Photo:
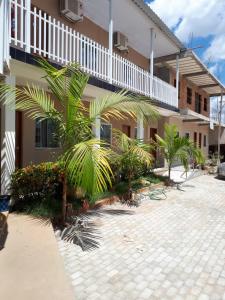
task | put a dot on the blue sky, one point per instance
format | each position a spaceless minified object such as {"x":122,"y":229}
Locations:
{"x":197,"y":23}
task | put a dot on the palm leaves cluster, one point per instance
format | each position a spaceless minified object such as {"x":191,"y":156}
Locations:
{"x":178,"y":148}
{"x":85,"y":158}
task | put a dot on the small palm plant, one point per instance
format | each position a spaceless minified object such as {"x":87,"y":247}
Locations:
{"x":131,"y":153}
{"x":85,"y":158}
{"x":178,"y":148}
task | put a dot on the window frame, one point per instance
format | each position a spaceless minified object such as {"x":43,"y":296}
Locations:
{"x":205,"y":104}
{"x":189,"y":96}
{"x":35,"y":134}
{"x":204,"y":140}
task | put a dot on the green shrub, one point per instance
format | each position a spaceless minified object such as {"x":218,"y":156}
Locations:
{"x":40,"y":182}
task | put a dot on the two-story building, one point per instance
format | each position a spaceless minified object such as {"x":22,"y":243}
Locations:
{"x":120,"y":44}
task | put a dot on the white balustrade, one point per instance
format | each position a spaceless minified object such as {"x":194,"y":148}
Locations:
{"x":58,"y":43}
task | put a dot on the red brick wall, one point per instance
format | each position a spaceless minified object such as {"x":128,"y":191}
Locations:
{"x":184,"y":83}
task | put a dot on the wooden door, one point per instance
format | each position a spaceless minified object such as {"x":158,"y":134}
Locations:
{"x":18,"y":150}
{"x":126,"y":130}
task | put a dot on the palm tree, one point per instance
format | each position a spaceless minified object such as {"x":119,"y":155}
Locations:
{"x":85,"y":158}
{"x":178,"y":148}
{"x":130,"y":154}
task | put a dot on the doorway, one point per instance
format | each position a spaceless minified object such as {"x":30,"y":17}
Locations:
{"x":18,"y":150}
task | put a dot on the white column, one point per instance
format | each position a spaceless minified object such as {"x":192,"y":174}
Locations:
{"x":151,"y":59}
{"x":2,"y":36}
{"x":27,"y":25}
{"x":177,"y":77}
{"x":140,"y":128}
{"x":97,"y":128}
{"x":110,"y":42}
{"x":5,"y":34}
{"x":7,"y":141}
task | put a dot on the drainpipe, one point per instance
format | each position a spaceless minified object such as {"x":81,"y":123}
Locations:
{"x":110,"y":42}
{"x":151,"y":60}
{"x":177,"y":79}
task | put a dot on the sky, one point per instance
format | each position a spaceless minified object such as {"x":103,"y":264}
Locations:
{"x":197,"y":23}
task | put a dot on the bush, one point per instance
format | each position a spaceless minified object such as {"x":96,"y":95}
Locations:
{"x":40,"y":182}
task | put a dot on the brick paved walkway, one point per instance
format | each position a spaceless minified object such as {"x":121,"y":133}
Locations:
{"x":171,"y":249}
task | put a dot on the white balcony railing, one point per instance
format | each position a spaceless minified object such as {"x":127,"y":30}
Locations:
{"x":36,"y":32}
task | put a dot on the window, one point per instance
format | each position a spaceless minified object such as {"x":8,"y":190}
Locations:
{"x":200,"y":140}
{"x":106,"y":133}
{"x":205,"y":104}
{"x":189,"y":95}
{"x":187,"y":135}
{"x":195,"y":138}
{"x":45,"y":134}
{"x":205,"y":141}
{"x":175,"y":85}
{"x":198,"y":101}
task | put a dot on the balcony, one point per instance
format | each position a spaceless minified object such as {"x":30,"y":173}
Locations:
{"x":33,"y":31}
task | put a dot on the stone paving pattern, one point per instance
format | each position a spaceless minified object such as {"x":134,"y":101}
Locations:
{"x":171,"y":249}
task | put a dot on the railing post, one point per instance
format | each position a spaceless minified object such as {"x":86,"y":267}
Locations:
{"x":27,"y":25}
{"x":177,"y":79}
{"x":151,"y":60}
{"x":110,"y":43}
{"x":7,"y":141}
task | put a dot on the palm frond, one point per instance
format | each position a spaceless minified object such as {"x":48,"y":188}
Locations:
{"x":133,"y":147}
{"x":88,"y":166}
{"x":122,"y":105}
{"x":68,"y":81}
{"x":34,"y":101}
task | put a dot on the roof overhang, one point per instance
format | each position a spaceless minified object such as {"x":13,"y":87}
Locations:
{"x":189,"y":116}
{"x":194,"y":70}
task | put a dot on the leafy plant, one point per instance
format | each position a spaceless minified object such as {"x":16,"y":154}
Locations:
{"x":85,"y":159}
{"x":37,"y":189}
{"x":132,"y":154}
{"x":37,"y":181}
{"x":178,"y":148}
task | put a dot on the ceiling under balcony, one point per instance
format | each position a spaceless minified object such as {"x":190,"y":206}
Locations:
{"x":134,"y":19}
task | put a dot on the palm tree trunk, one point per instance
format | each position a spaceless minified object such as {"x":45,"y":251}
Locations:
{"x":169,"y":171}
{"x":64,"y":200}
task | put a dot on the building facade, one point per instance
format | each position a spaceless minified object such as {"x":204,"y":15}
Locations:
{"x":120,"y":44}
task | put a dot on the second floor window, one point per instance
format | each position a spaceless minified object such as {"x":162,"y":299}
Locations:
{"x":205,"y":104}
{"x":189,"y":95}
{"x":45,"y":134}
{"x":205,"y":141}
{"x":175,"y":84}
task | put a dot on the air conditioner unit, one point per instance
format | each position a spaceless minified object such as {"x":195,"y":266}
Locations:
{"x":120,"y":41}
{"x":72,"y":9}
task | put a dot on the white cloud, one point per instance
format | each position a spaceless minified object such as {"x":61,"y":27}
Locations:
{"x":202,"y":18}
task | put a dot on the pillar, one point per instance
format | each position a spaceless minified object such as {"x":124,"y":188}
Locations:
{"x":7,"y":141}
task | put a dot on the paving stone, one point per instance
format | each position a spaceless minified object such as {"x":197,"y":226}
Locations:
{"x":167,"y":250}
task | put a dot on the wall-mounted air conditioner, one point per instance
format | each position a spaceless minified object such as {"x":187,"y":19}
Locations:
{"x":120,"y":41}
{"x":72,"y":9}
